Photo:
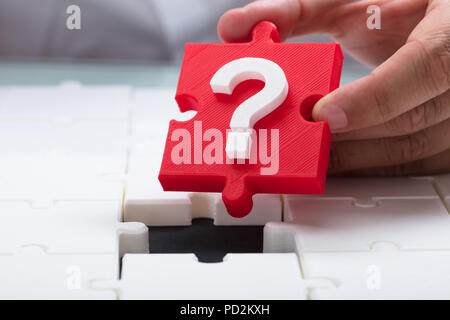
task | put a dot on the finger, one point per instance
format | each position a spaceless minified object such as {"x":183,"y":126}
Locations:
{"x":424,"y":116}
{"x":236,"y":24}
{"x":288,"y":15}
{"x":416,"y":73}
{"x":436,"y":164}
{"x":360,"y":154}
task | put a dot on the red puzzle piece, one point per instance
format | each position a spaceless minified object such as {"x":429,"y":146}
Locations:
{"x":194,"y":157}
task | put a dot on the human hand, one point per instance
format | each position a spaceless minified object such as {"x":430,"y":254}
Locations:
{"x":395,"y":121}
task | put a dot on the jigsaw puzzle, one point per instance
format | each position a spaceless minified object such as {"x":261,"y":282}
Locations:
{"x":196,"y":156}
{"x":63,"y":239}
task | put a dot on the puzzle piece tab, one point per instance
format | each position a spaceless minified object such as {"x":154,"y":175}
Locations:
{"x":195,"y":157}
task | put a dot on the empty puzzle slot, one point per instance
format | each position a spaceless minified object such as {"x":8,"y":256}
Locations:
{"x":208,"y":242}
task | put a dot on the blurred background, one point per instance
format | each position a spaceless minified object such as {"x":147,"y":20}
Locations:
{"x":144,"y":37}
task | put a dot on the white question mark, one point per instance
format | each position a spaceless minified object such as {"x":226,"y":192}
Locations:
{"x":249,"y":112}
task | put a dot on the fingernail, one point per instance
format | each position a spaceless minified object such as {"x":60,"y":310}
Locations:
{"x":335,"y":116}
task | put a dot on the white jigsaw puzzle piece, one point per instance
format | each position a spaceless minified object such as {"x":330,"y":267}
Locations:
{"x":34,"y":274}
{"x":145,"y":200}
{"x":152,"y":110}
{"x":42,"y":162}
{"x":321,"y":224}
{"x":71,"y":227}
{"x":42,"y":186}
{"x":80,"y":139}
{"x":384,"y":274}
{"x":67,"y":102}
{"x":366,"y":192}
{"x":339,"y":225}
{"x":266,"y":208}
{"x":239,"y":276}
